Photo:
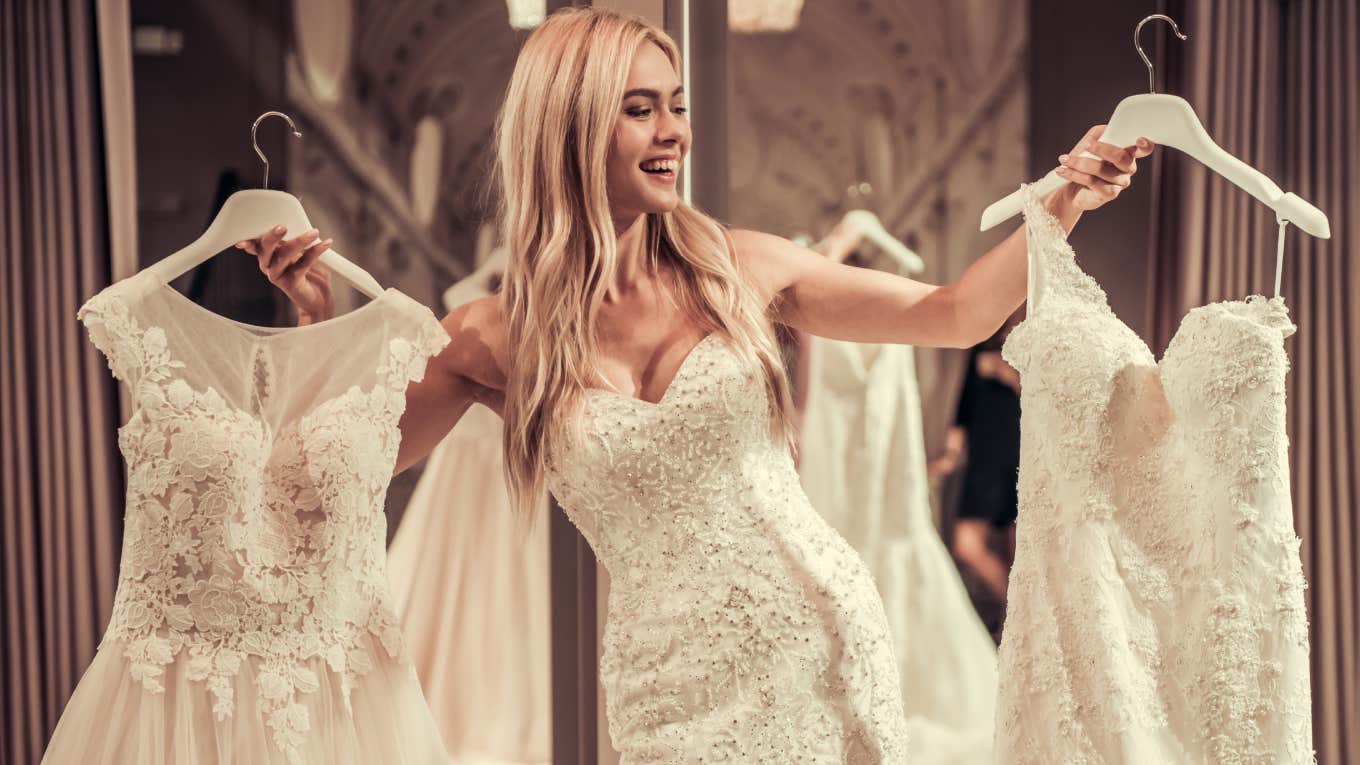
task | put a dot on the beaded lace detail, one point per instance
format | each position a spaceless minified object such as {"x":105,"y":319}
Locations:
{"x":741,"y":627}
{"x":246,"y":540}
{"x":1156,"y":603}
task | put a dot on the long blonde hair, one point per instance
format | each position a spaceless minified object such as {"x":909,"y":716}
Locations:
{"x":553,"y":136}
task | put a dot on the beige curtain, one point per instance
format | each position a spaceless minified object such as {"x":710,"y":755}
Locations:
{"x":60,"y":474}
{"x":1278,"y":84}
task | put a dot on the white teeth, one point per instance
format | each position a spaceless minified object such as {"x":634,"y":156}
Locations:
{"x":658,"y":165}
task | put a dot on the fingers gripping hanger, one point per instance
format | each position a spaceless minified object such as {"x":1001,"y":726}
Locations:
{"x":248,"y":214}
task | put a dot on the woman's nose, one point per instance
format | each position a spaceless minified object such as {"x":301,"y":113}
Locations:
{"x":671,"y":127}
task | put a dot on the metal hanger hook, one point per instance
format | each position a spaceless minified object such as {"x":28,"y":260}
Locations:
{"x":256,"y":143}
{"x":1152,"y":87}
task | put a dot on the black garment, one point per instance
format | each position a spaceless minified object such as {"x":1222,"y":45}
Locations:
{"x":989,"y":411}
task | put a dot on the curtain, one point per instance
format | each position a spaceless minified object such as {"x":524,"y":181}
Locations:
{"x":1275,"y":82}
{"x":60,"y":474}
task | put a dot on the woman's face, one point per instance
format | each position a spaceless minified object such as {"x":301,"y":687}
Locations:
{"x":651,"y":139}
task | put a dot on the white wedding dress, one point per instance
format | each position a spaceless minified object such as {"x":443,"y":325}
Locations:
{"x":741,"y":628}
{"x":252,"y":621}
{"x":863,"y":466}
{"x":1156,"y":608}
{"x":470,"y":580}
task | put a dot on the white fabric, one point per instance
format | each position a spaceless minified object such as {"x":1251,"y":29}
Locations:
{"x":863,"y":466}
{"x":470,"y":579}
{"x":252,"y":621}
{"x":741,"y":627}
{"x":1156,"y":603}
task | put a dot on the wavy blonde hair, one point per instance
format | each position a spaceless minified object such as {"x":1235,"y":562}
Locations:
{"x":553,"y":136}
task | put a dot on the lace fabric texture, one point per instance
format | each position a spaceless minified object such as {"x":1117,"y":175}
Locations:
{"x":741,"y":628}
{"x":252,"y":579}
{"x":1156,"y":606}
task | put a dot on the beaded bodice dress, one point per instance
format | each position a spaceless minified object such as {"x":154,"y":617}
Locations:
{"x":741,"y":627}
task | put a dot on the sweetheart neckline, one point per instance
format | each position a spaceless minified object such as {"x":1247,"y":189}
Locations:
{"x":1158,"y":361}
{"x":670,"y":386}
{"x":1048,"y":221}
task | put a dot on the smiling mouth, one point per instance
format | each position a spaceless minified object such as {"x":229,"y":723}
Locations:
{"x":661,"y":168}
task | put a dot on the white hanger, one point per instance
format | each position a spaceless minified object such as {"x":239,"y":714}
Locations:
{"x":868,"y":224}
{"x":478,"y":283}
{"x":1170,"y":121}
{"x":246,"y":215}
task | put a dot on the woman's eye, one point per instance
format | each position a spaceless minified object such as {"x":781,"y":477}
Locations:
{"x":639,"y":112}
{"x":680,"y":110}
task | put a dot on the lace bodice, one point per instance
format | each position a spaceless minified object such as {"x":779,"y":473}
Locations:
{"x":1156,"y":607}
{"x":258,"y":460}
{"x":741,"y":627}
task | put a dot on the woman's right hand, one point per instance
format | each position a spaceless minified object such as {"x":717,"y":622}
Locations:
{"x":291,"y":265}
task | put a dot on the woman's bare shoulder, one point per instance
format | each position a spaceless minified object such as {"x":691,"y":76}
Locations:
{"x":768,"y":261}
{"x":477,"y":350}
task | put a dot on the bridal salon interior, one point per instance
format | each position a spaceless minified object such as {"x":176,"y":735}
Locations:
{"x":1120,"y":524}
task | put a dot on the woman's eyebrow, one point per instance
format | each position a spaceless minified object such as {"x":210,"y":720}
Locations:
{"x":652,"y":94}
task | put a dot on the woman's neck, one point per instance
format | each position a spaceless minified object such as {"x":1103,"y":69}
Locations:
{"x":632,"y":266}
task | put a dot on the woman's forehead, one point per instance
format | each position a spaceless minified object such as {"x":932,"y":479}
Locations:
{"x":652,"y":70}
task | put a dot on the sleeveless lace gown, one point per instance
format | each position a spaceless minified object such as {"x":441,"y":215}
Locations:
{"x":1156,"y":604}
{"x":741,"y":628}
{"x":252,"y":621}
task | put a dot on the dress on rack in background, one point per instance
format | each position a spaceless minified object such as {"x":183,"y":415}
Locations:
{"x":1156,"y":603}
{"x":252,"y":621}
{"x":863,"y":465}
{"x":470,"y":578}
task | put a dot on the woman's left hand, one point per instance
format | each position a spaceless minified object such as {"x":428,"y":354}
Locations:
{"x":1096,"y":180}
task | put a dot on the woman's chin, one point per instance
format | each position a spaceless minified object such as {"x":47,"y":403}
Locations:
{"x":663,"y":204}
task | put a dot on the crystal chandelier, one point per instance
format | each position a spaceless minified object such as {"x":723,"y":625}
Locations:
{"x":763,"y":15}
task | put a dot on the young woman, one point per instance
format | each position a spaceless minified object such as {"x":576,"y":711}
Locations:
{"x":632,"y":357}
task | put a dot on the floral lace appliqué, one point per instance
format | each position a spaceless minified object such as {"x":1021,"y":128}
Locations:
{"x":250,"y":543}
{"x":741,"y":627}
{"x":1156,"y":603}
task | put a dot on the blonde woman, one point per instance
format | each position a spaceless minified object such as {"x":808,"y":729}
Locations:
{"x":631,"y":356}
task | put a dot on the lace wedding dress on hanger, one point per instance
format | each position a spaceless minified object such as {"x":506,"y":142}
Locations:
{"x":1156,"y":607}
{"x":252,"y":621}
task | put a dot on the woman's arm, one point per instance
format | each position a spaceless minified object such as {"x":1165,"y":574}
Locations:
{"x":466,"y":372}
{"x":862,"y":305}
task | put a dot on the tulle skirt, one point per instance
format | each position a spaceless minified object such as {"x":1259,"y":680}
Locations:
{"x":112,"y":719}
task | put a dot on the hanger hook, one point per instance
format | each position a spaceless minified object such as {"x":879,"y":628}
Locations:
{"x":1152,"y":87}
{"x":256,"y":144}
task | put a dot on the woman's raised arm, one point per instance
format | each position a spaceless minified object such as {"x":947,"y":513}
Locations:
{"x":816,"y":295}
